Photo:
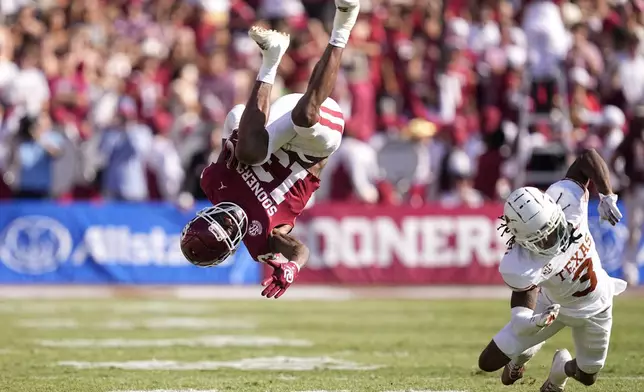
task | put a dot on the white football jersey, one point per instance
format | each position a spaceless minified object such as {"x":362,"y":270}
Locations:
{"x":574,"y":279}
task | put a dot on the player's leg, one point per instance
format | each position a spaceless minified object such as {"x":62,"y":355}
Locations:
{"x":510,"y":351}
{"x":307,"y":111}
{"x":252,"y":147}
{"x":591,"y":338}
{"x":591,"y":347}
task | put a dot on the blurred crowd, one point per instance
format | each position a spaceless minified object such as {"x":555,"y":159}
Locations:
{"x":454,"y":102}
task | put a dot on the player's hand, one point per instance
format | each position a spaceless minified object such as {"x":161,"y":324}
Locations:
{"x":548,"y":317}
{"x":608,"y":210}
{"x":284,"y":274}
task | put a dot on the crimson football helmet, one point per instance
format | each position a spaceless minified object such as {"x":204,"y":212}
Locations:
{"x":214,"y":234}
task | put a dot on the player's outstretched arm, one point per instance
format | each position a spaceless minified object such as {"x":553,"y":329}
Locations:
{"x":285,"y":270}
{"x":289,"y":246}
{"x":590,"y":166}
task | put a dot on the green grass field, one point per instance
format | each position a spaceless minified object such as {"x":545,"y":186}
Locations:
{"x":361,"y":345}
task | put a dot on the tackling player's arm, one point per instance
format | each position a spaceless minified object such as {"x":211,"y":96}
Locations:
{"x":590,"y":166}
{"x":285,"y":270}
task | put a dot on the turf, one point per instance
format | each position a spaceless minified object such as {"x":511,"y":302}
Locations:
{"x":421,"y":345}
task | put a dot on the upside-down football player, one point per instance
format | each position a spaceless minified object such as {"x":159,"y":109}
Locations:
{"x":270,"y":164}
{"x":556,"y":278}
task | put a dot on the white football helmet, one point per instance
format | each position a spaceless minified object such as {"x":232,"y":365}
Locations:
{"x":536,"y":221}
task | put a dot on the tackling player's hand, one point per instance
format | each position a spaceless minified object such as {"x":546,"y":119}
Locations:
{"x":608,"y":210}
{"x":548,"y":317}
{"x":284,"y":274}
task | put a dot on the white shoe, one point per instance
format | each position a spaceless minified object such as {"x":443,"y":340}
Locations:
{"x":557,"y":378}
{"x":272,"y":43}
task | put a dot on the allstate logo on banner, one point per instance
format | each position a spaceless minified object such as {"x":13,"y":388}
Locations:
{"x":35,"y":245}
{"x":610,"y":242}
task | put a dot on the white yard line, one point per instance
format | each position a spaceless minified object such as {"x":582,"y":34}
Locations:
{"x":170,"y":390}
{"x":171,"y":323}
{"x":201,"y":341}
{"x":280,"y":363}
{"x":127,"y":308}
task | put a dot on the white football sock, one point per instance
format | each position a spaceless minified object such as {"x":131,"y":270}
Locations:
{"x":267,"y":74}
{"x":527,"y":355}
{"x":343,"y":22}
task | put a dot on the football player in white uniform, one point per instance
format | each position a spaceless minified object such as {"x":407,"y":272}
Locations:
{"x":556,"y":278}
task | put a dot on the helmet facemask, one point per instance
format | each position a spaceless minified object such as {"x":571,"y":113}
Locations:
{"x":228,"y":223}
{"x":552,"y":239}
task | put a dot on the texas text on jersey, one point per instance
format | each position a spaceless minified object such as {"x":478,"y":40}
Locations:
{"x":272,"y":194}
{"x":574,"y":279}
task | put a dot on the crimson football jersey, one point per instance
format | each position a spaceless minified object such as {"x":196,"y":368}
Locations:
{"x":272,"y":194}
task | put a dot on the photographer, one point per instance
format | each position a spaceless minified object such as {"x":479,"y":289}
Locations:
{"x":34,"y":148}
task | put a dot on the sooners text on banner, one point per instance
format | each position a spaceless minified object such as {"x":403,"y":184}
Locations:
{"x":356,"y":244}
{"x":402,"y":245}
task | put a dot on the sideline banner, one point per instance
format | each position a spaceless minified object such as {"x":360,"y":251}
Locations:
{"x":353,"y":244}
{"x":121,"y":243}
{"x":401,"y":245}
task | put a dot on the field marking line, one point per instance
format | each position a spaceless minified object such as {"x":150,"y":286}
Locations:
{"x":171,"y":323}
{"x":428,"y":390}
{"x":171,"y":390}
{"x":625,"y":378}
{"x":201,"y":341}
{"x":280,"y":363}
{"x":153,"y":307}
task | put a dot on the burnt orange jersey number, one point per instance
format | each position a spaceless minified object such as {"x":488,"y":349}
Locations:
{"x":585,"y":273}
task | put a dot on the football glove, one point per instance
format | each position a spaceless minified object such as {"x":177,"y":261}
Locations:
{"x":608,"y":210}
{"x":284,"y":274}
{"x":548,"y":317}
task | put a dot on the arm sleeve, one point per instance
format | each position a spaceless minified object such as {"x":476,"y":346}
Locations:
{"x":523,"y":321}
{"x":517,"y":282}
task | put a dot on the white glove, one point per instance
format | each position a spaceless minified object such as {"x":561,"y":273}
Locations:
{"x":548,"y":317}
{"x":608,"y":210}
